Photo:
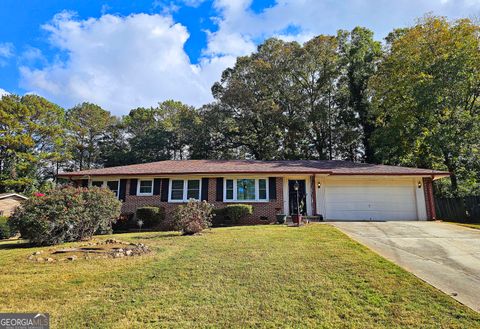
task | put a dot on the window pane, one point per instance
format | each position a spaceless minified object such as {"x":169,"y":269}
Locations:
{"x":246,"y":189}
{"x":193,"y":189}
{"x":97,"y":183}
{"x":262,"y":189}
{"x":113,"y":186}
{"x":177,"y":190}
{"x":229,"y":189}
{"x":146,"y":186}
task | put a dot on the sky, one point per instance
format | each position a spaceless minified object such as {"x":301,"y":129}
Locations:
{"x":123,"y":54}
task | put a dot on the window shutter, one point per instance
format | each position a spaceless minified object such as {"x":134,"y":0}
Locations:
{"x":122,"y":192}
{"x":220,"y":189}
{"x":164,"y":193}
{"x":84,"y":182}
{"x":156,"y":186}
{"x":133,"y":186}
{"x":204,"y":194}
{"x":272,"y":188}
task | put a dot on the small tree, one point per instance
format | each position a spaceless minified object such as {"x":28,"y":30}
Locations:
{"x":193,"y":217}
{"x":66,"y":214}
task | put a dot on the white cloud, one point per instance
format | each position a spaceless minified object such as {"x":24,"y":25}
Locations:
{"x":125,"y":62}
{"x":121,"y":63}
{"x":6,"y":51}
{"x":3,"y":92}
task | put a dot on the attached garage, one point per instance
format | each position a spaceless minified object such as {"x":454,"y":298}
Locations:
{"x":374,"y":199}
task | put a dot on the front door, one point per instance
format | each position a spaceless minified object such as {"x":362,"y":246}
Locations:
{"x":297,"y":200}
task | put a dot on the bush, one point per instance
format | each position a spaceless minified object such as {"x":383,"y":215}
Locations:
{"x":150,"y":216}
{"x":66,"y":214}
{"x":193,"y":217}
{"x":236,"y":212}
{"x":219,"y":218}
{"x":5,"y":231}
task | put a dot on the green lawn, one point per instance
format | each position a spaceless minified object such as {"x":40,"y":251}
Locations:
{"x":470,"y":225}
{"x":262,"y":276}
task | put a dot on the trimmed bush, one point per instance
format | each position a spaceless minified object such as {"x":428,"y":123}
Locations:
{"x":66,"y":214}
{"x":236,"y":212}
{"x":150,"y":216}
{"x":193,"y":217}
{"x":5,"y":231}
{"x":219,"y":218}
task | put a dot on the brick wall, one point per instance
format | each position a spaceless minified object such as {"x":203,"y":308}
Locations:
{"x":263,"y":212}
{"x":429,"y":200}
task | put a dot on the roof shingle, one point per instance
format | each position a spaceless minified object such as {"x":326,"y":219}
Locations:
{"x":177,"y":167}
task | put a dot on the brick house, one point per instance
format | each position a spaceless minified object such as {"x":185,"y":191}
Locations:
{"x":337,"y":190}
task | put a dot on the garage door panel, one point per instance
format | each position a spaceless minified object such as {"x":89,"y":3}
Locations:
{"x":370,"y":202}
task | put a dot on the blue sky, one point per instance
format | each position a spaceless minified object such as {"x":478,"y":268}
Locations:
{"x":123,"y":54}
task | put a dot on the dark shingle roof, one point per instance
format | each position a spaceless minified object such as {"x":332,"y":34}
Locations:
{"x":177,"y":167}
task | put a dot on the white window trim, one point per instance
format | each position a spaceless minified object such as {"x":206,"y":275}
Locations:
{"x":185,"y":189}
{"x":104,"y":184}
{"x":257,"y":190}
{"x":138,"y":187}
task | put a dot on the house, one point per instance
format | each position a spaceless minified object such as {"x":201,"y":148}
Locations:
{"x":8,"y":203}
{"x":338,"y":190}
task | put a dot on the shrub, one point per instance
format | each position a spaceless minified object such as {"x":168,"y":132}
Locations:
{"x":219,"y":218}
{"x":236,"y":212}
{"x":66,"y":214}
{"x":193,"y":217}
{"x":5,"y":231}
{"x":150,"y":216}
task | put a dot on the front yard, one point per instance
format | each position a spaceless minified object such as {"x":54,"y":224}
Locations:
{"x":263,"y":276}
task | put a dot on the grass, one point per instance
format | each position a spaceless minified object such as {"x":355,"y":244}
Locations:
{"x":262,"y":276}
{"x":470,"y":225}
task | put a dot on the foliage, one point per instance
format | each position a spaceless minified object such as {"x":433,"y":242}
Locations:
{"x":31,"y":142}
{"x":427,"y":100}
{"x":193,"y":217}
{"x":5,"y":231}
{"x":66,"y":214}
{"x":150,"y":216}
{"x":236,"y":212}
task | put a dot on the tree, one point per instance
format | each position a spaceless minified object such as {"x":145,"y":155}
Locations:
{"x":31,"y":141}
{"x":426,"y":96}
{"x":360,"y":56}
{"x":87,"y":125}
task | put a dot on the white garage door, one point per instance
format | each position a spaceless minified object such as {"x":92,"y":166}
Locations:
{"x":370,"y":202}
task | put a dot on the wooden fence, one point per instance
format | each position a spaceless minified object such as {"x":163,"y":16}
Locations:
{"x":464,"y":209}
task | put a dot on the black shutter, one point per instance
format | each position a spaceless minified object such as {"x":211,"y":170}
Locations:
{"x":133,"y":186}
{"x":156,"y":186}
{"x":204,"y":194}
{"x":164,"y":193}
{"x":84,"y":182}
{"x":122,"y":193}
{"x":220,"y":189}
{"x":272,"y":188}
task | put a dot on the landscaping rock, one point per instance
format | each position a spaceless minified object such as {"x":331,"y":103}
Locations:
{"x":72,"y":258}
{"x":128,"y":253}
{"x":40,"y":259}
{"x":118,"y":255}
{"x":37,"y":252}
{"x":50,"y":260}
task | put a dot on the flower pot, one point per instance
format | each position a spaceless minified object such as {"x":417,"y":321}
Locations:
{"x":297,"y":219}
{"x":281,"y":218}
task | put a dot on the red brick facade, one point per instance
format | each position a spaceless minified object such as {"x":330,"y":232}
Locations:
{"x":263,"y":212}
{"x":429,"y":200}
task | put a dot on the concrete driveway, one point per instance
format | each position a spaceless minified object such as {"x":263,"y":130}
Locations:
{"x":445,"y":255}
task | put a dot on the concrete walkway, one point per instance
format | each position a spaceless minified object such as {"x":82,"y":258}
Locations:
{"x":445,"y":255}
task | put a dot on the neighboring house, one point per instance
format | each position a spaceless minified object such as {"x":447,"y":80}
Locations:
{"x":338,"y":190}
{"x":8,"y":203}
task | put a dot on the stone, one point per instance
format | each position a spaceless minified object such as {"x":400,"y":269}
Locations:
{"x":118,"y":255}
{"x":37,"y":252}
{"x":129,"y":253}
{"x":73,"y":257}
{"x":50,"y":259}
{"x":40,"y":259}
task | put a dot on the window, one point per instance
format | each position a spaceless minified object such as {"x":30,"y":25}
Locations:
{"x":97,"y":183}
{"x":181,"y":190}
{"x":145,"y":187}
{"x":193,"y":189}
{"x":246,"y":189}
{"x":177,"y":190}
{"x":113,"y":186}
{"x":229,"y":189}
